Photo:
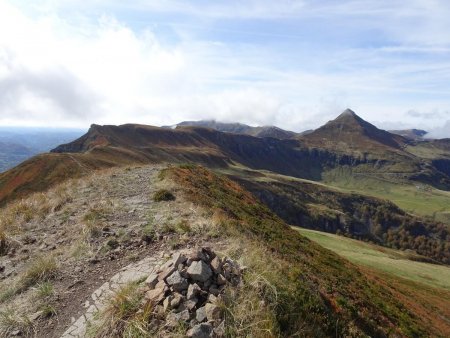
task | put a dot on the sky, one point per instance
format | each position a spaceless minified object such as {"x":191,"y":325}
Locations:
{"x":291,"y":63}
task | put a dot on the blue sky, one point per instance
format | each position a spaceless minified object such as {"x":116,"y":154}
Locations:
{"x":295,"y":64}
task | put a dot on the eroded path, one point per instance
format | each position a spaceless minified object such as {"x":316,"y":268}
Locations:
{"x":99,"y":298}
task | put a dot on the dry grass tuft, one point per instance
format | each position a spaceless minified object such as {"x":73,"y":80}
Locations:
{"x":250,"y":308}
{"x":124,"y":315}
{"x":12,"y":322}
{"x":41,"y":269}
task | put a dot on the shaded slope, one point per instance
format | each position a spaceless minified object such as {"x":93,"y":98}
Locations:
{"x":320,"y":293}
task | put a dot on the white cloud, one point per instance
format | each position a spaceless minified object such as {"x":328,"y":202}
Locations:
{"x":66,"y":63}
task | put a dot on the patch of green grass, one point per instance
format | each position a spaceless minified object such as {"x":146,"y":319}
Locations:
{"x":7,"y":293}
{"x":44,"y":289}
{"x":414,"y":198}
{"x":183,"y":227}
{"x":387,"y":260}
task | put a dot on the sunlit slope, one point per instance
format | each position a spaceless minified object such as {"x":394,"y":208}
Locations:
{"x":395,"y":262}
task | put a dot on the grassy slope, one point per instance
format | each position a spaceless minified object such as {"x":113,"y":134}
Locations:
{"x":414,"y":198}
{"x":318,"y":291}
{"x":425,"y":288}
{"x":387,"y":260}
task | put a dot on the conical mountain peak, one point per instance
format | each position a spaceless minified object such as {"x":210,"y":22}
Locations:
{"x":348,"y":112}
{"x":353,"y":131}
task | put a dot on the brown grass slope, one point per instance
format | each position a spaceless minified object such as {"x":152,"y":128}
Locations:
{"x":319,"y":293}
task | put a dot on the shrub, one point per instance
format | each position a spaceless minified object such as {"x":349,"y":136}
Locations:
{"x":163,"y":195}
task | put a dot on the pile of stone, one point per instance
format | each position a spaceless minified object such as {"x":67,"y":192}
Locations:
{"x":189,"y":288}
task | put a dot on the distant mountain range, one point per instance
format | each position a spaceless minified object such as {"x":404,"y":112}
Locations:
{"x":413,"y":134}
{"x":239,"y":128}
{"x":346,"y":142}
{"x":344,"y":149}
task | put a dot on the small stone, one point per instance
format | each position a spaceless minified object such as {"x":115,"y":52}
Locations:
{"x":155,"y":296}
{"x":178,"y":259}
{"x":167,"y":272}
{"x":151,"y":281}
{"x":199,"y":271}
{"x":197,"y":255}
{"x":160,"y":285}
{"x":207,"y":284}
{"x":212,"y":298}
{"x":216,"y":265}
{"x":166,"y":303}
{"x":191,"y":303}
{"x":221,"y":280}
{"x":214,"y":290}
{"x":193,"y":291}
{"x":200,"y":314}
{"x":213,"y":312}
{"x":174,"y":318}
{"x":177,"y":282}
{"x":177,"y":299}
{"x":203,"y":330}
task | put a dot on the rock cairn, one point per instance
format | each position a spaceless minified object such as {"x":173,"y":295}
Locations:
{"x":189,"y":288}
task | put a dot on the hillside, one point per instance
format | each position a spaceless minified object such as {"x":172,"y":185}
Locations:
{"x":320,"y":207}
{"x":396,"y":263}
{"x":92,"y":235}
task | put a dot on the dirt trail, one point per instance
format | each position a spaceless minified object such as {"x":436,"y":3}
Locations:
{"x":96,"y":236}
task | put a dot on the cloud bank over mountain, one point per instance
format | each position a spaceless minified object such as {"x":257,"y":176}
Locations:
{"x":294,"y":64}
